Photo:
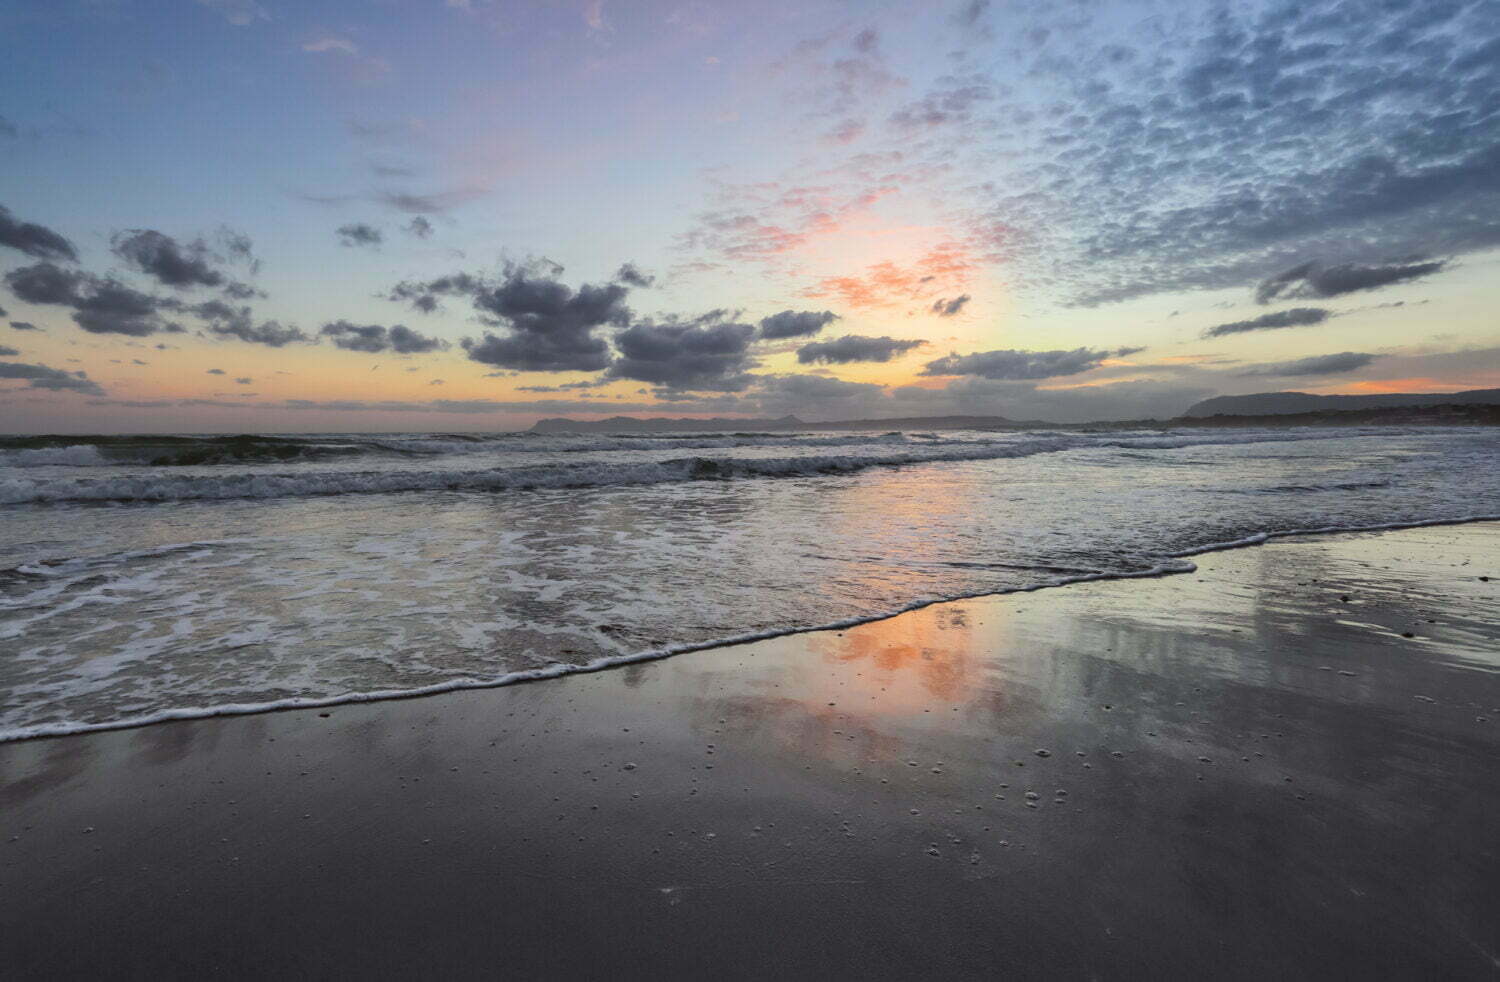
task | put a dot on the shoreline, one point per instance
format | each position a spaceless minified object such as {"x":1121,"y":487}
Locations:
{"x":1280,"y":766}
{"x":561,"y":670}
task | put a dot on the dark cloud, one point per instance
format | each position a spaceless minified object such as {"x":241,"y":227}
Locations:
{"x":854,"y":347}
{"x":697,"y":356}
{"x":420,"y":227}
{"x":795,"y":324}
{"x":1312,"y":281}
{"x":551,"y":327}
{"x":1126,"y":352}
{"x":359,"y":234}
{"x":7,"y":352}
{"x":216,"y":371}
{"x":47,"y":283}
{"x":244,"y":381}
{"x":1295,"y":317}
{"x":1017,"y":365}
{"x":35,"y":240}
{"x":24,"y":326}
{"x":1344,"y":361}
{"x":100,"y":306}
{"x":113,"y":308}
{"x":8,"y":129}
{"x":423,"y":295}
{"x":236,"y":290}
{"x":167,"y":261}
{"x":947,"y":308}
{"x":225,"y":320}
{"x":375,"y":338}
{"x":631,"y":275}
{"x":42,"y":377}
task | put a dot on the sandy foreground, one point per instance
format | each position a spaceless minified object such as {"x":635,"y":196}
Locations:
{"x":1286,"y":764}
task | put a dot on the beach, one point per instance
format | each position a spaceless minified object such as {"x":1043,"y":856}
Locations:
{"x":1282,"y":764}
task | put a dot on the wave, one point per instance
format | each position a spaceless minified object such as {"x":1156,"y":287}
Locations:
{"x":198,"y":451}
{"x":1173,"y":563}
{"x":170,"y":487}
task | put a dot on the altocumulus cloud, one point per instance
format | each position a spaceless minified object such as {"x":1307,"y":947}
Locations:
{"x":854,"y":347}
{"x":376,"y":338}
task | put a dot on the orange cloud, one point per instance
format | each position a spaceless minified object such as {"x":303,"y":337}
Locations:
{"x":944,"y":268}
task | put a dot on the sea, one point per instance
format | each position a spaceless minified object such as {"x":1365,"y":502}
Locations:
{"x":165,"y":577}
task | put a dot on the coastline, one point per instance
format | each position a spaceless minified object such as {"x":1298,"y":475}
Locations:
{"x":562,"y":670}
{"x":1299,"y":789}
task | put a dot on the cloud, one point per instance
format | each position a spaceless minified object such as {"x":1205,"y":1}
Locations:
{"x":433,"y":204}
{"x":1295,"y":317}
{"x":854,"y":347}
{"x":420,"y":227}
{"x":948,"y":308}
{"x":1312,"y":281}
{"x":343,"y":45}
{"x":24,"y":326}
{"x":375,"y":338}
{"x":795,"y":323}
{"x":967,"y":16}
{"x":8,"y":352}
{"x":551,"y":327}
{"x":35,"y":240}
{"x":42,"y":377}
{"x":244,"y":381}
{"x":359,"y":234}
{"x":423,"y":294}
{"x":8,"y":129}
{"x":631,"y":275}
{"x":237,"y":322}
{"x":953,"y":100}
{"x":46,"y":283}
{"x":1014,"y":365}
{"x":699,"y":355}
{"x":945,"y":267}
{"x":215,"y":371}
{"x":1344,"y":361}
{"x":238,"y":12}
{"x":162,"y":258}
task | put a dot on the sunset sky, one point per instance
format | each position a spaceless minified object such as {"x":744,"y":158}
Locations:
{"x":467,"y":214}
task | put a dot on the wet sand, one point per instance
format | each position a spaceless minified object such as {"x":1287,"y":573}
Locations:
{"x":1245,"y":772}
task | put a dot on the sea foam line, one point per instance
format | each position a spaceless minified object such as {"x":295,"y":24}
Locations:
{"x":1176,"y":563}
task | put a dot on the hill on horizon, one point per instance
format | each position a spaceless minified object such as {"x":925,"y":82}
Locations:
{"x":1283,"y":403}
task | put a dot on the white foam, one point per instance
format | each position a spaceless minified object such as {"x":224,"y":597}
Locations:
{"x":1174,"y":565}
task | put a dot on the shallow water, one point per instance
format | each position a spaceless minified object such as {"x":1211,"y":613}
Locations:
{"x":146,"y":578}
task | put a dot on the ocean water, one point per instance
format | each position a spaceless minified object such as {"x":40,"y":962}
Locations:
{"x":147,"y":578}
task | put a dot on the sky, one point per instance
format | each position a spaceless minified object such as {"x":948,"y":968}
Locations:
{"x":378,"y":215}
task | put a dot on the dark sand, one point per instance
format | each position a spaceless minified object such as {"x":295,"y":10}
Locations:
{"x":1246,"y":777}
